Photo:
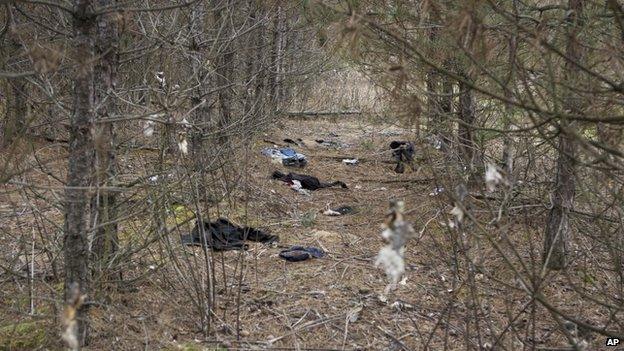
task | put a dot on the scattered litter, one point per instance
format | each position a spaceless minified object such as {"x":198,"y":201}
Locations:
{"x":301,"y":253}
{"x":307,"y":182}
{"x":183,"y":144}
{"x":148,"y":128}
{"x":358,"y":187}
{"x":288,"y":156}
{"x":436,"y":191}
{"x":330,"y":212}
{"x":437,"y":143}
{"x":224,"y":235}
{"x":160,"y":77}
{"x":154,"y":179}
{"x":350,"y":161}
{"x":339,"y":211}
{"x":402,"y":152}
{"x":401,"y":306}
{"x":185,"y":123}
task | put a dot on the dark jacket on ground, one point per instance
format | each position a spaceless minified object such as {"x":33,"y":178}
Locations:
{"x":307,"y":182}
{"x":224,"y":235}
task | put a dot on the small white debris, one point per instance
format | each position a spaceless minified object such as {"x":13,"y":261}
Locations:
{"x":436,"y":191}
{"x":152,"y":267}
{"x":350,"y":161}
{"x":403,"y":281}
{"x":160,"y":77}
{"x":183,"y":145}
{"x":330,"y":212}
{"x":458,"y":213}
{"x":185,"y":123}
{"x":492,"y":177}
{"x":148,"y":128}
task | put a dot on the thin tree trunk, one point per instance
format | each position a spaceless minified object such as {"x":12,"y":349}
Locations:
{"x":81,"y":165}
{"x":261,"y":52}
{"x":275,"y":75}
{"x":466,"y":144}
{"x":557,"y":236}
{"x":15,"y":93}
{"x":224,"y":70}
{"x":201,"y":115}
{"x":508,"y":141}
{"x":105,"y":241}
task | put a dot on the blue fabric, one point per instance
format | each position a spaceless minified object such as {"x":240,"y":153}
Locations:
{"x":288,"y":152}
{"x":289,"y":156}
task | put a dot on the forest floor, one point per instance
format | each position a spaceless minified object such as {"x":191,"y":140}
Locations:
{"x":332,"y":302}
{"x":335,"y":302}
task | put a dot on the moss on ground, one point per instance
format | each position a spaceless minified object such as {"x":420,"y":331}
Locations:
{"x":23,"y":336}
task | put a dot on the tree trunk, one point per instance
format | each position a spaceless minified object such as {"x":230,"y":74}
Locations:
{"x":201,"y":116}
{"x":275,"y":76}
{"x":105,"y":241}
{"x":15,"y":93}
{"x":508,"y":140}
{"x":466,"y":145}
{"x":557,"y":236}
{"x":224,"y":69}
{"x":81,"y":162}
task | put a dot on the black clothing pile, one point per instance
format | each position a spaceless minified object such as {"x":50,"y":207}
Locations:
{"x":402,"y":152}
{"x":225,"y":235}
{"x":307,"y":182}
{"x":301,"y":253}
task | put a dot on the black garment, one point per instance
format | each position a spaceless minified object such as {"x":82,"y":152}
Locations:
{"x":224,"y":235}
{"x":300,"y":253}
{"x":402,"y":152}
{"x":307,"y":182}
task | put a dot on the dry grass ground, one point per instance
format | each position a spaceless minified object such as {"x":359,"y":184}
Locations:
{"x":319,"y":304}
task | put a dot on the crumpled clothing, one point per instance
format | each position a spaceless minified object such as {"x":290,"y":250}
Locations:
{"x":224,"y":235}
{"x":288,"y":156}
{"x":306,"y":181}
{"x":301,"y":253}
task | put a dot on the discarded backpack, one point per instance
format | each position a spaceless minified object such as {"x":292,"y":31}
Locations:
{"x":301,"y":253}
{"x":225,"y":235}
